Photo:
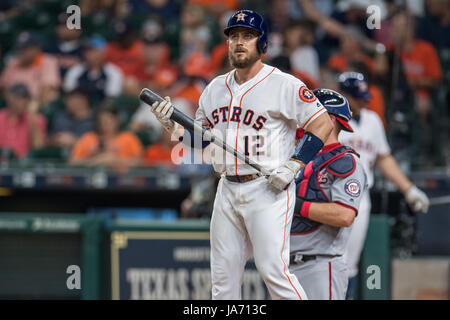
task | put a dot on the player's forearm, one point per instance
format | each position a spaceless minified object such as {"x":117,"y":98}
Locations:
{"x":321,"y":127}
{"x":332,"y":214}
{"x":316,"y":135}
{"x":391,"y":171}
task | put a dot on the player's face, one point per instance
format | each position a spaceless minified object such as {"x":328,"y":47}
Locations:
{"x":242,"y":47}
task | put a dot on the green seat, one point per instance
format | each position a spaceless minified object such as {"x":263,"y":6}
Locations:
{"x":147,"y":138}
{"x":127,"y":106}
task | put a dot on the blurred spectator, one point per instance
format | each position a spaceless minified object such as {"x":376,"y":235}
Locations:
{"x":156,"y":67}
{"x":107,"y":146}
{"x":71,"y":123}
{"x":278,"y":15}
{"x":354,"y":13}
{"x":160,"y":153}
{"x":96,"y":76}
{"x":126,"y":51}
{"x":143,"y":120}
{"x":168,"y":10}
{"x":217,"y":7}
{"x":352,"y":17}
{"x":219,"y":63}
{"x":194,"y":34}
{"x":110,"y":8}
{"x":196,"y":73}
{"x":383,"y":34}
{"x":33,"y":68}
{"x":350,"y":51}
{"x":435,"y":26}
{"x":299,"y":40}
{"x":66,"y":48}
{"x":22,"y":127}
{"x":329,"y":78}
{"x":419,"y":58}
{"x":394,"y":85}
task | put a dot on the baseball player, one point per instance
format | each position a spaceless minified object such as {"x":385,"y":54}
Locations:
{"x":369,"y":140}
{"x":256,"y":108}
{"x":329,"y":190}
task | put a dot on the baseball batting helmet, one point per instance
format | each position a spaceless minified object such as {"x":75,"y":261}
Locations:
{"x":249,"y":19}
{"x":336,"y":104}
{"x":354,"y":84}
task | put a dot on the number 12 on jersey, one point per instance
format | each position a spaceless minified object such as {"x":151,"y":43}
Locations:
{"x":257,"y":142}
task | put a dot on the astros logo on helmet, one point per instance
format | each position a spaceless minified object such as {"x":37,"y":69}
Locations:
{"x":249,"y":19}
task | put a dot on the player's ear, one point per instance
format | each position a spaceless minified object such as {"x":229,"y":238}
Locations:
{"x":228,"y":43}
{"x":333,"y":119}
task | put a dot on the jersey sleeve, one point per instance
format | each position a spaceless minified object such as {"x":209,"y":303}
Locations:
{"x":348,"y":191}
{"x":200,"y":115}
{"x":300,"y":104}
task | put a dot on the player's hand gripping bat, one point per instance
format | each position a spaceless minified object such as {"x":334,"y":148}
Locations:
{"x":149,"y":97}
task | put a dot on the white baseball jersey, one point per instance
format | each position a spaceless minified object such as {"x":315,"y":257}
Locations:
{"x":258,"y":118}
{"x":368,"y":139}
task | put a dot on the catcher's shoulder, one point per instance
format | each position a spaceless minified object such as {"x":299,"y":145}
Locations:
{"x":345,"y":165}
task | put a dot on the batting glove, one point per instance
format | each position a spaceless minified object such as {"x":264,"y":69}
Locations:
{"x":281,"y":177}
{"x":163,"y":111}
{"x":417,"y":199}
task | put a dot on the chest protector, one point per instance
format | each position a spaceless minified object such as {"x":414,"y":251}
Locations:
{"x":339,"y":162}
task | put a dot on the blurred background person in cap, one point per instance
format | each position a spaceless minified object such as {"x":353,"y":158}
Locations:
{"x":99,"y":78}
{"x":76,"y":119}
{"x":22,"y":127}
{"x":38,"y":71}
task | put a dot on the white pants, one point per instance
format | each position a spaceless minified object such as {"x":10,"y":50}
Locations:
{"x":357,"y":237}
{"x":324,"y":278}
{"x":252,"y":218}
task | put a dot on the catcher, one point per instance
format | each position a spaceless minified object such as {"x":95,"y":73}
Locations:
{"x":329,"y":190}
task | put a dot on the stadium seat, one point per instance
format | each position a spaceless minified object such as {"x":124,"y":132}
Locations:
{"x":147,"y":138}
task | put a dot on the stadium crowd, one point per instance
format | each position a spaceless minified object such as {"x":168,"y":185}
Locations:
{"x":71,"y":94}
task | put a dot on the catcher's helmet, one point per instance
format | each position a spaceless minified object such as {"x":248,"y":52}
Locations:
{"x":354,"y":84}
{"x":336,"y":104}
{"x":249,"y":19}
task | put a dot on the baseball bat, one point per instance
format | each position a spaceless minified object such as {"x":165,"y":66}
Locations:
{"x":439,"y":200}
{"x":149,"y":97}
